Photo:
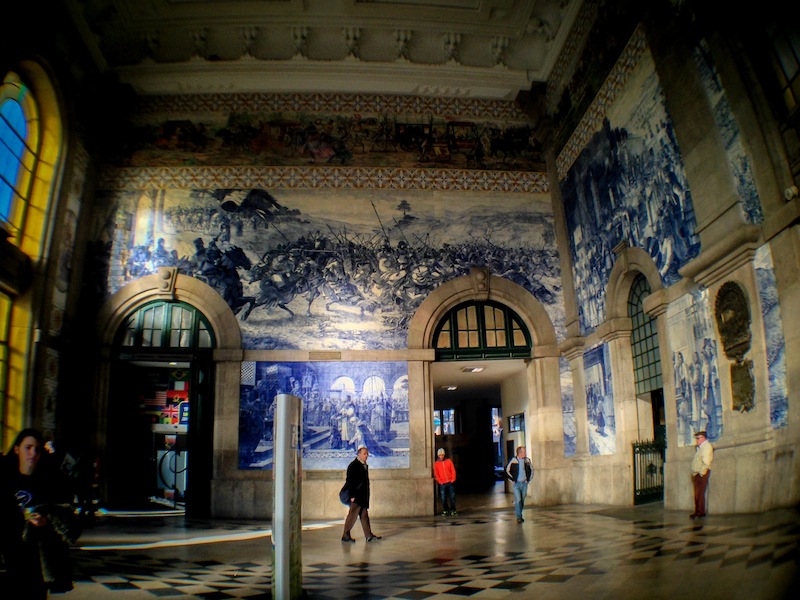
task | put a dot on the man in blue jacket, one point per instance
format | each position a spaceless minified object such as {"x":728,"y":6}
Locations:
{"x":520,"y":479}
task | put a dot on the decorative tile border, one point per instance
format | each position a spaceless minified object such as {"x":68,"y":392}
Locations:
{"x":506,"y":110}
{"x":606,"y":96}
{"x":323,"y":178}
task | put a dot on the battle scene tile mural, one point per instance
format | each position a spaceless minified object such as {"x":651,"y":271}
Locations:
{"x":308,"y":269}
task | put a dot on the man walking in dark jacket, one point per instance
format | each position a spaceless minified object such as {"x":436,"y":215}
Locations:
{"x":520,"y":478}
{"x":357,"y":483}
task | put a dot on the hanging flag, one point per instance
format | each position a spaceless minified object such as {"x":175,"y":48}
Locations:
{"x":174,"y":396}
{"x":170,"y":414}
{"x":159,"y":398}
{"x":178,"y":386}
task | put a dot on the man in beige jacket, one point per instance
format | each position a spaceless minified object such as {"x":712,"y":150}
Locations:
{"x":701,"y":473}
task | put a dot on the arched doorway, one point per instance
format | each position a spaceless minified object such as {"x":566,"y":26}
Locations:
{"x":480,"y":337}
{"x":517,"y":374}
{"x":157,"y":412}
{"x":646,"y":352}
{"x":633,"y":279}
{"x":156,"y":392}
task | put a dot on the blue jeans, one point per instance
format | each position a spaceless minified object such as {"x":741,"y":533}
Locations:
{"x":520,"y":491}
{"x":447,"y":494}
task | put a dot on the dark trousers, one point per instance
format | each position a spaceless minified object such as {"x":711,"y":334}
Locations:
{"x":700,"y":490}
{"x":447,"y":494}
{"x":356,"y":512}
{"x":23,"y":577}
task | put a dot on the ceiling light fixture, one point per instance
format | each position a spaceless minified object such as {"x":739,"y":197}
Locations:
{"x":450,"y":388}
{"x":473,"y":369}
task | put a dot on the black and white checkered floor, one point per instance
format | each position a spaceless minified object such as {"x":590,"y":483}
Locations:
{"x":584,"y":552}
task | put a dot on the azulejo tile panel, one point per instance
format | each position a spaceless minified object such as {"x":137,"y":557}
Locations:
{"x":613,"y":87}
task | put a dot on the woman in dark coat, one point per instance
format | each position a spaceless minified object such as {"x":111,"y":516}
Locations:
{"x":35,"y":523}
{"x":357,"y":484}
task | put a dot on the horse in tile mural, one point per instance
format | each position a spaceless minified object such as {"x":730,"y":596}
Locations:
{"x":283,"y":277}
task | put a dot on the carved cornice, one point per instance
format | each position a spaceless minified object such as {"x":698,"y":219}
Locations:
{"x":614,"y":329}
{"x":573,"y":347}
{"x":724,"y":257}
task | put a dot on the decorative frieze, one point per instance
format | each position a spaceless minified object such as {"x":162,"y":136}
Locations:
{"x":153,"y":178}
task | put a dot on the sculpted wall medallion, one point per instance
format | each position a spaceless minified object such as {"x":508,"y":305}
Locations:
{"x":733,"y":322}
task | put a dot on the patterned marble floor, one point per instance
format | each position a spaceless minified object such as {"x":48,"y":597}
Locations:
{"x":583,"y":552}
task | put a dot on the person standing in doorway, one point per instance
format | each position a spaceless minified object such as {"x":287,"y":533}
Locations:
{"x":445,"y":473}
{"x":701,"y":473}
{"x":520,"y":471}
{"x":357,"y":483}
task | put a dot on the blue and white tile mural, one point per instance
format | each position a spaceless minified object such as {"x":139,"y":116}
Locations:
{"x":693,"y":345}
{"x":738,"y":160}
{"x":310,"y":269}
{"x":775,"y":341}
{"x":567,"y":407}
{"x":346,"y":405}
{"x":600,"y":401}
{"x":628,"y":184}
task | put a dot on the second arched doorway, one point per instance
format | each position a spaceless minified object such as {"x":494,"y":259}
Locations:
{"x":480,"y":345}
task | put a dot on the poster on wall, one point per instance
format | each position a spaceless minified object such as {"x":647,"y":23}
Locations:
{"x":693,"y":345}
{"x":315,"y":269}
{"x":346,"y":405}
{"x":600,"y":401}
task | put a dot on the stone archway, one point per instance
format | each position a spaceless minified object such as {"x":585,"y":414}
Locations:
{"x":542,"y":370}
{"x":220,"y":400}
{"x":168,"y":284}
{"x":630,"y":262}
{"x":480,"y":285}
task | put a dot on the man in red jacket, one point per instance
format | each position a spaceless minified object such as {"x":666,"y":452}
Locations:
{"x":445,"y":473}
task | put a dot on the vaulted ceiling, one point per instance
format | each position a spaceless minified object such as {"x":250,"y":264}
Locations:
{"x":455,"y":48}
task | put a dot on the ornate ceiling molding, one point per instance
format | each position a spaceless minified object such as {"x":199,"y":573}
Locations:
{"x":451,"y":48}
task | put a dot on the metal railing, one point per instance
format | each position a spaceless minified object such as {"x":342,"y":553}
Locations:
{"x":648,"y":471}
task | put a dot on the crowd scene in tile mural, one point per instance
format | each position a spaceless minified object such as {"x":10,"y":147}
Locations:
{"x":696,"y":390}
{"x":695,"y":367}
{"x":628,"y":186}
{"x":345,"y":406}
{"x":600,"y":401}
